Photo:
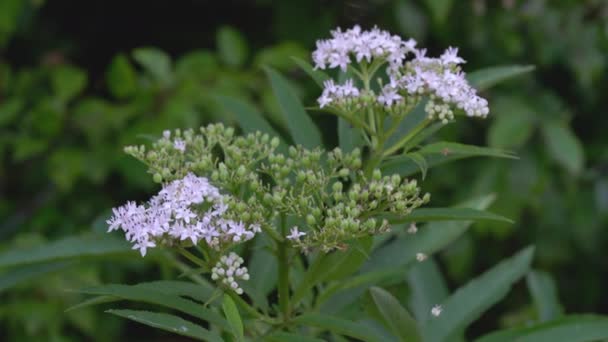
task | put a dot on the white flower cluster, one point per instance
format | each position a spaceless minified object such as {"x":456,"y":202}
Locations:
{"x":441,"y":79}
{"x":228,"y":270}
{"x":174,"y":214}
{"x":333,"y":92}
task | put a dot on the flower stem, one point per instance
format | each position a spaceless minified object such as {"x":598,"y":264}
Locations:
{"x":283,"y":271}
{"x":406,"y":138}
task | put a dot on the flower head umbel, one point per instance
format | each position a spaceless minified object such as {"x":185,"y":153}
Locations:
{"x":228,"y":270}
{"x":186,"y":210}
{"x":441,"y":79}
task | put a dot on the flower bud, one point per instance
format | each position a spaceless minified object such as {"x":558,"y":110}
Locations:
{"x":157,"y":178}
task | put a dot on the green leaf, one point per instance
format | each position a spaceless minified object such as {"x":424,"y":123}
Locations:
{"x":139,"y":294}
{"x":564,"y":146}
{"x":121,"y":78}
{"x":263,"y":267}
{"x":349,"y":138}
{"x":544,"y":293}
{"x":84,"y":246}
{"x":300,"y":125}
{"x":20,"y":274}
{"x":169,"y":323}
{"x":234,"y":318}
{"x":318,"y":76}
{"x":231,"y":46}
{"x":448,"y":214}
{"x":68,"y":81}
{"x":427,"y":286}
{"x":9,"y":110}
{"x":429,"y":239}
{"x":289,"y":337}
{"x":574,"y":328}
{"x":395,"y":316}
{"x":336,"y":325}
{"x":470,"y":301}
{"x":249,"y":118}
{"x":439,"y":9}
{"x":439,"y":153}
{"x":156,"y":62}
{"x":513,"y":124}
{"x":334,"y":266}
{"x":487,"y":78}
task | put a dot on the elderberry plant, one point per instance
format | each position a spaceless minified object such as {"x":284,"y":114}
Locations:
{"x":332,"y":221}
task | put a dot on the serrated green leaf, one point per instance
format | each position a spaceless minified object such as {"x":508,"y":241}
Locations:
{"x":486,"y":78}
{"x":231,"y":46}
{"x":574,"y":328}
{"x":84,"y":246}
{"x":318,"y":76}
{"x":470,"y":301}
{"x":300,"y":125}
{"x":169,"y":323}
{"x":140,"y":294}
{"x":448,"y":214}
{"x":395,"y":316}
{"x":544,"y":293}
{"x":336,"y":325}
{"x":121,"y":78}
{"x":234,"y":318}
{"x":156,"y":62}
{"x":564,"y":146}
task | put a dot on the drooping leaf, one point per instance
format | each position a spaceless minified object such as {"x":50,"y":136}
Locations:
{"x":139,"y":294}
{"x":300,"y":125}
{"x":234,"y":318}
{"x":318,"y":76}
{"x":169,"y":323}
{"x":336,"y":325}
{"x":470,"y":301}
{"x":448,"y":214}
{"x":486,"y":78}
{"x":395,"y":316}
{"x":20,"y":274}
{"x":574,"y":328}
{"x":544,"y":293}
{"x":84,"y":246}
{"x":564,"y":146}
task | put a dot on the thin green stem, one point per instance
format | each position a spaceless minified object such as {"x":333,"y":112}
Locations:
{"x":399,"y":144}
{"x":283,"y":271}
{"x":196,"y":260}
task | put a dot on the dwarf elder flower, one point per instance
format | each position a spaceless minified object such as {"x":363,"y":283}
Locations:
{"x":175,"y":215}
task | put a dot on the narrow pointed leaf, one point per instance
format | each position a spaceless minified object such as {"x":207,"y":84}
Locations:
{"x":84,"y":246}
{"x":544,"y":293}
{"x":337,"y":325}
{"x":427,"y":286}
{"x":169,"y":323}
{"x":395,"y":316}
{"x":20,"y":274}
{"x":234,"y":318}
{"x":150,"y":296}
{"x":574,"y":328}
{"x":448,"y":214}
{"x":317,"y":75}
{"x":300,"y":125}
{"x":486,"y":78}
{"x":470,"y":301}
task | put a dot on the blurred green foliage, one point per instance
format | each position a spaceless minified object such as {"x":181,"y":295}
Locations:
{"x":65,"y":114}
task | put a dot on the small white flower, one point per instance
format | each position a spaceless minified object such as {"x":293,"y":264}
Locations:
{"x":295,"y":234}
{"x":179,"y":145}
{"x":412,"y":229}
{"x":436,"y":310}
{"x":421,"y":257}
{"x":227,"y":270}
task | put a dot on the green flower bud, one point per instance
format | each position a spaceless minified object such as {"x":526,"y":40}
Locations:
{"x":274,"y":143}
{"x":310,"y":220}
{"x":157,"y":178}
{"x":337,"y":187}
{"x":376,"y":175}
{"x":241,"y":171}
{"x":344,"y":172}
